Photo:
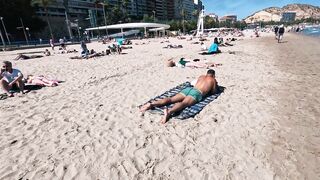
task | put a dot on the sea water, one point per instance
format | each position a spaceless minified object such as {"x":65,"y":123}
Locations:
{"x":312,"y":31}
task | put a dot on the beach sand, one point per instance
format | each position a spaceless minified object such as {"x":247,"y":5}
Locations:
{"x":264,"y":126}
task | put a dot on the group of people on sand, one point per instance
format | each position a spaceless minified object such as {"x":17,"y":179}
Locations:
{"x":12,"y":80}
{"x":279,"y":31}
{"x":61,"y":44}
{"x":85,"y":53}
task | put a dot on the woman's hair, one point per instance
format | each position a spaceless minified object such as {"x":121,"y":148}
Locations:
{"x":216,"y":40}
{"x":8,"y":63}
{"x":211,"y":71}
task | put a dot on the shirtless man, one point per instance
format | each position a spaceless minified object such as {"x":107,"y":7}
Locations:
{"x":189,"y":96}
{"x":10,"y":78}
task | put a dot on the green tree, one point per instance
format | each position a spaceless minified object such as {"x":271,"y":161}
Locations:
{"x":195,"y":13}
{"x":124,"y":7}
{"x":116,"y":14}
{"x":209,"y":22}
{"x":44,"y":4}
{"x":147,"y":18}
{"x":106,"y":8}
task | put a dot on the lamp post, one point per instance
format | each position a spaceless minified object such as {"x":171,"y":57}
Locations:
{"x":28,"y":30}
{"x":3,"y":42}
{"x":5,"y":30}
{"x":24,"y":32}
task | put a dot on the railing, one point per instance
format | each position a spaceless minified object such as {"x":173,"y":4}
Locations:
{"x":31,"y":44}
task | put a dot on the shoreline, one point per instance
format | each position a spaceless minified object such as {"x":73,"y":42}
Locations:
{"x":297,"y":110}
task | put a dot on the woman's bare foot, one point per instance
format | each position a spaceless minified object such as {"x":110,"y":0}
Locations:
{"x":145,"y":107}
{"x":166,"y":116}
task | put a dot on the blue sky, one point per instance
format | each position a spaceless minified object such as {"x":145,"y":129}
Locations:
{"x":244,"y":8}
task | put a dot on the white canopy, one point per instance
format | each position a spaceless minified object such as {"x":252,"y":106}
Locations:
{"x":131,"y":25}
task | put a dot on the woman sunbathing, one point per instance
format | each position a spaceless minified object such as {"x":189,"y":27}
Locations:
{"x":94,"y":54}
{"x":192,"y":64}
{"x":24,"y":57}
{"x":173,"y":46}
{"x":42,"y":81}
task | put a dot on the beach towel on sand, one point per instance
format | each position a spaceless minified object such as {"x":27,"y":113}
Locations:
{"x":189,"y":111}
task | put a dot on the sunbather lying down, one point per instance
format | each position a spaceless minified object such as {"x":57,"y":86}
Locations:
{"x":169,"y":46}
{"x":206,"y":84}
{"x":24,"y":57}
{"x":195,"y":63}
{"x":91,"y":55}
{"x":42,"y":81}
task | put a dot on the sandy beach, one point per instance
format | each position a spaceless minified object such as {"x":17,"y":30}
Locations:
{"x":264,"y":126}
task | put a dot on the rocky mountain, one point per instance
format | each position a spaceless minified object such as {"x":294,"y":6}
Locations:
{"x":302,"y":11}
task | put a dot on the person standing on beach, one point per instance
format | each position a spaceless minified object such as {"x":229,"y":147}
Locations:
{"x":189,"y":96}
{"x":10,"y":78}
{"x":62,"y":45}
{"x":51,"y":44}
{"x":276,"y":29}
{"x":280,"y":33}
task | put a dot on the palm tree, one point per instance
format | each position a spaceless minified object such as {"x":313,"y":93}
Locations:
{"x":96,"y":2}
{"x":195,"y":13}
{"x":66,"y":7}
{"x":44,"y":4}
{"x":106,"y":6}
{"x":124,"y":5}
{"x":183,"y":14}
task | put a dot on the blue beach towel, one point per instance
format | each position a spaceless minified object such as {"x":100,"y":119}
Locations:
{"x":189,"y":111}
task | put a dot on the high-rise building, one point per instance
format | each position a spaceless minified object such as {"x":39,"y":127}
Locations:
{"x":229,"y":18}
{"x":198,"y":5}
{"x":288,"y":16}
{"x":158,"y":9}
{"x":184,"y":8}
{"x":214,"y":16}
{"x":76,"y":8}
{"x":170,"y":9}
{"x":138,"y":8}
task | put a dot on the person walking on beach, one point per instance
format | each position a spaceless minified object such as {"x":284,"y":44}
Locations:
{"x":189,"y":96}
{"x":51,"y":43}
{"x":10,"y":79}
{"x":276,"y":29}
{"x":280,"y":33}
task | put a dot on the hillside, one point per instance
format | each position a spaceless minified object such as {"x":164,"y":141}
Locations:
{"x":302,"y":11}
